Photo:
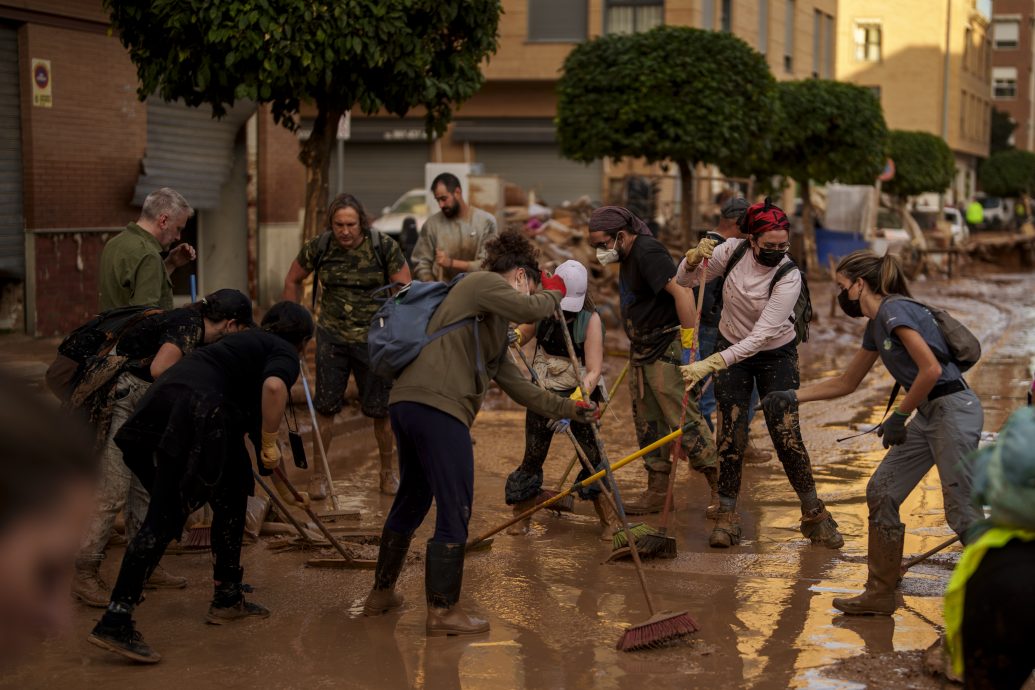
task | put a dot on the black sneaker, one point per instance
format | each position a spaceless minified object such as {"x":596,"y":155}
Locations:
{"x":119,"y":636}
{"x":218,"y":615}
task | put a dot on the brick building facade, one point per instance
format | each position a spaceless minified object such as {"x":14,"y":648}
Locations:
{"x":1013,"y":66}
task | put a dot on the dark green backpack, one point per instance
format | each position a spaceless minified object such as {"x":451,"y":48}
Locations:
{"x":802,"y":314}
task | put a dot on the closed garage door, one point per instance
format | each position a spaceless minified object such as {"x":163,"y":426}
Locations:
{"x":12,"y":240}
{"x":540,"y":167}
{"x":379,"y":173}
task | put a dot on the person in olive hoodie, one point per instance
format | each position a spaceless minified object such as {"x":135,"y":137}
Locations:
{"x":433,"y":404}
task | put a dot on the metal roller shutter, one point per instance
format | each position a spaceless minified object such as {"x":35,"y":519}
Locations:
{"x":12,"y":224}
{"x":379,"y":173}
{"x":540,"y":167}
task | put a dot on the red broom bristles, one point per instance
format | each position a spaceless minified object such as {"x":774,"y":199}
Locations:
{"x":656,"y":631}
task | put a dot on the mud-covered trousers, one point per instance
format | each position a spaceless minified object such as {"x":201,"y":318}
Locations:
{"x":166,"y":516}
{"x":770,"y":370}
{"x":436,"y":462}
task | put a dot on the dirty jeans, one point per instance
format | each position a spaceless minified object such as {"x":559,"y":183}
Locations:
{"x":656,"y":390}
{"x":707,"y":337}
{"x":436,"y":461}
{"x":118,"y":488}
{"x":769,"y":370}
{"x":942,"y":433}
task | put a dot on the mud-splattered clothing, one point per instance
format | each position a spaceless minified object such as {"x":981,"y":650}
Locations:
{"x":132,"y":271}
{"x":335,"y":361}
{"x":347,"y":276}
{"x":460,"y":238}
{"x":648,"y":310}
{"x":184,"y":328}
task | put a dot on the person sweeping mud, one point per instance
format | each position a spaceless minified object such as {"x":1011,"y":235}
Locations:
{"x":658,"y":316}
{"x":944,"y":431}
{"x":434,"y":401}
{"x":757,"y":346}
{"x":553,"y":368}
{"x":186,"y":443}
{"x":145,"y":351}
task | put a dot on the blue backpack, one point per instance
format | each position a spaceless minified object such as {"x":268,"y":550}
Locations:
{"x":399,"y":329}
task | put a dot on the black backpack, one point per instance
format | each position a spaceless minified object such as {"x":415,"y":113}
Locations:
{"x":324,"y":243}
{"x":802,"y":314}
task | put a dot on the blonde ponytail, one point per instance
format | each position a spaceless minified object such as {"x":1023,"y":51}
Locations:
{"x":884,"y":274}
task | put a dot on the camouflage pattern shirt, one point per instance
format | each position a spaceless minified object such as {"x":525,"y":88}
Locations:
{"x":347,"y":277}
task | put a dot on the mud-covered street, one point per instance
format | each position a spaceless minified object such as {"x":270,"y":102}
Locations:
{"x":556,"y":609}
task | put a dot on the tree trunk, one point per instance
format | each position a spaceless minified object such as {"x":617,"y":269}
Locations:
{"x":686,"y":209}
{"x":315,"y":155}
{"x":808,"y":228}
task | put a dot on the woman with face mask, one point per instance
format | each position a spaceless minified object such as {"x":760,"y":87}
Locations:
{"x":943,"y":432}
{"x":757,"y":346}
{"x":433,"y":404}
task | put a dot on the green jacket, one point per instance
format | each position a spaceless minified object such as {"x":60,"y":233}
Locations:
{"x":132,"y":271}
{"x":445,"y":374}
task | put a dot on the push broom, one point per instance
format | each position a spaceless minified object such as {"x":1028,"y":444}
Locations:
{"x":662,"y":626}
{"x":318,"y":442}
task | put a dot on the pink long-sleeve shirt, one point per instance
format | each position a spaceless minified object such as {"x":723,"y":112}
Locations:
{"x":751,"y":319}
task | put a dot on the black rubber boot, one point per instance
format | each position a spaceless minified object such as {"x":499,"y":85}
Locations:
{"x":390,"y":559}
{"x":228,"y":602}
{"x":883,"y":563}
{"x":116,"y":633}
{"x":443,"y":575}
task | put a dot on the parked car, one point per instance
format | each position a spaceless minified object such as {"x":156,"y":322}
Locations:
{"x":950,"y":220}
{"x":412,"y":203}
{"x":998,"y":211}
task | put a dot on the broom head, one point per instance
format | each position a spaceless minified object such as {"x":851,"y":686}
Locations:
{"x":565,"y":505}
{"x":656,"y":545}
{"x":658,"y":630}
{"x":619,"y":541}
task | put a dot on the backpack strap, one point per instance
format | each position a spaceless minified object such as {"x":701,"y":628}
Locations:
{"x":323,"y":243}
{"x":735,"y":257}
{"x":378,"y":244}
{"x":780,"y":273}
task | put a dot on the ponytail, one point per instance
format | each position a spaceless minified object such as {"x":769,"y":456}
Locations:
{"x":893,"y":277}
{"x":884,"y":275}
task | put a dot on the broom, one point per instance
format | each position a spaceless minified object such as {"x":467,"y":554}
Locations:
{"x":662,"y":626}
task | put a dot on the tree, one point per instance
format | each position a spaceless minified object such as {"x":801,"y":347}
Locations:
{"x":1001,"y":135}
{"x":377,"y":55}
{"x":923,"y":163}
{"x":672,"y":93}
{"x":832,"y":131}
{"x":1008,"y":173}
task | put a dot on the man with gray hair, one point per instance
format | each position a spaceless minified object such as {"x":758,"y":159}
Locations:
{"x":132,"y":270}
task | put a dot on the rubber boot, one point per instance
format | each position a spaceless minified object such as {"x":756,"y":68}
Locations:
{"x":653,"y":499}
{"x":756,"y":456}
{"x":443,"y":575}
{"x":228,"y":602}
{"x":606,"y":517}
{"x":726,"y":532}
{"x":712,"y":475}
{"x":390,"y":559}
{"x":883,"y":561}
{"x":116,"y":633}
{"x":163,"y":579}
{"x":522,"y":527}
{"x":88,"y":586}
{"x":819,"y":526}
{"x":317,"y":488}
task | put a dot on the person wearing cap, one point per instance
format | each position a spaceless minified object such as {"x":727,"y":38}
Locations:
{"x":757,"y":346}
{"x":658,"y":316}
{"x":731,"y":211}
{"x":553,"y":368}
{"x":144,"y":352}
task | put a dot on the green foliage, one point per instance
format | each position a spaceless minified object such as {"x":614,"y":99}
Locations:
{"x":670,"y":93}
{"x":829,"y":131}
{"x":377,"y":54}
{"x":1008,"y":173}
{"x":1001,"y":136}
{"x":923,"y":163}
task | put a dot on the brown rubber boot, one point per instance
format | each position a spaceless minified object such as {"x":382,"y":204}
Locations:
{"x":391,"y":556}
{"x":443,"y":575}
{"x":883,"y":560}
{"x":756,"y":456}
{"x":317,"y":488}
{"x":726,"y":532}
{"x":87,"y":585}
{"x":653,"y":499}
{"x":606,"y":517}
{"x":712,"y":475}
{"x":522,"y":527}
{"x":163,"y":579}
{"x":819,"y":526}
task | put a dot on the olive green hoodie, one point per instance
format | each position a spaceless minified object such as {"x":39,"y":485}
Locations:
{"x":445,"y":374}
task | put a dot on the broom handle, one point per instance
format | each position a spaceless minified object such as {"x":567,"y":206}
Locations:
{"x":282,"y":508}
{"x":610,"y":473}
{"x":927,"y":554}
{"x":576,"y":486}
{"x":312,"y":516}
{"x":603,"y":409}
{"x":316,"y":432}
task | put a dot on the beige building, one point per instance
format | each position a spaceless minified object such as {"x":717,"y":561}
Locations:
{"x":930,"y":63}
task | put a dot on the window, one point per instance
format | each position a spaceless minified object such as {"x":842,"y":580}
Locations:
{"x":788,"y":38}
{"x":562,"y":21}
{"x":1007,"y":33}
{"x":708,"y":15}
{"x":630,"y":16}
{"x":1004,"y":82}
{"x":817,"y":41}
{"x":726,"y":18}
{"x":828,"y":47}
{"x":968,"y":36}
{"x":868,"y":37}
{"x":763,"y":27}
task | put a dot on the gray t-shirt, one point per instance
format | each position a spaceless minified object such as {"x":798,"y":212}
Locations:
{"x":879,"y":337}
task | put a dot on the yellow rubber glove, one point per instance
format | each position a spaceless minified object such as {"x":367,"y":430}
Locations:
{"x":516,"y":337}
{"x":576,"y":395}
{"x":270,"y":454}
{"x":686,"y":338}
{"x":702,"y":251}
{"x":693,"y":373}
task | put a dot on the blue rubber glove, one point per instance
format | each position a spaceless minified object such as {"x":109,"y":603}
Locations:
{"x":559,"y":426}
{"x":893,"y":429}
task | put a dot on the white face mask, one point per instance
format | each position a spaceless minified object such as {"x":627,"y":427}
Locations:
{"x":609,"y":256}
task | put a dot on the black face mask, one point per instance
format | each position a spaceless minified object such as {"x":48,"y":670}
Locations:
{"x":851,"y":307}
{"x":770,"y":258}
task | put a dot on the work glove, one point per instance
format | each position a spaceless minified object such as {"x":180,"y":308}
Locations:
{"x":893,"y":429}
{"x":586,"y":412}
{"x":702,"y":251}
{"x":514,"y":337}
{"x":686,"y":341}
{"x":270,"y":454}
{"x":553,"y":283}
{"x":778,"y":403}
{"x":560,"y":426}
{"x":695,"y":373}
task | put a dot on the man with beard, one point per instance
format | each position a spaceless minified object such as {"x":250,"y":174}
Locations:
{"x":453,"y":240}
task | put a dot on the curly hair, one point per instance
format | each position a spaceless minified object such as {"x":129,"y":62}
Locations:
{"x":510,"y":250}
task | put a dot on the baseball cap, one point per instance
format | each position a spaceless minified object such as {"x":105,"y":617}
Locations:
{"x":575,"y":279}
{"x":734,"y":208}
{"x":233,"y":304}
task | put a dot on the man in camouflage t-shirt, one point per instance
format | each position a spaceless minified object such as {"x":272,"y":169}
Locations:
{"x":351,"y":266}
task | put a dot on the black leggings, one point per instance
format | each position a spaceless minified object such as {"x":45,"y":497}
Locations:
{"x":770,"y":370}
{"x":166,"y":515}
